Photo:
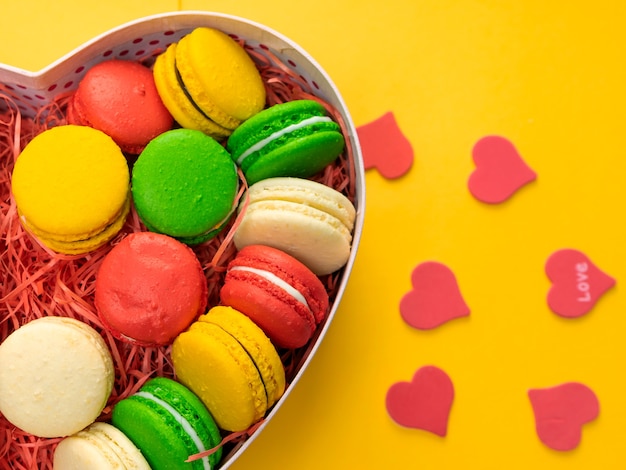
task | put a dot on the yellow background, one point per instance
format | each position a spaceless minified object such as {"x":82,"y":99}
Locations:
{"x":548,"y":75}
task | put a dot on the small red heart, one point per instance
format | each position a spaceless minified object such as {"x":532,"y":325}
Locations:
{"x":434,"y":299}
{"x":561,"y":411}
{"x":500,"y":170}
{"x":424,"y":403}
{"x":577,"y":284}
{"x":385,"y":147}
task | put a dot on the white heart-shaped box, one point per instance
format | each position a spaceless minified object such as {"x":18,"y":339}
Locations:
{"x":31,"y":91}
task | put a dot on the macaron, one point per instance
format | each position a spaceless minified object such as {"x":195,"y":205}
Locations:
{"x":231,"y":365}
{"x":168,"y":424}
{"x":296,"y":138}
{"x":119,"y":98}
{"x":209,"y":82}
{"x":308,"y":220}
{"x":184,"y":184}
{"x":56,"y":376}
{"x":71,"y":188}
{"x":149,"y":288}
{"x":276,"y":291}
{"x":98,"y":447}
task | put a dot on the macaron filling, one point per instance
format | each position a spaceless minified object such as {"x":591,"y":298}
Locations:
{"x":256,"y":366}
{"x":187,"y":94}
{"x":280,"y":133}
{"x":185,"y":424}
{"x":277,"y":281}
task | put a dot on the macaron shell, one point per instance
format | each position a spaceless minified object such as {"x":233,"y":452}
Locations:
{"x":220,"y":76}
{"x":256,"y":344}
{"x":296,"y":138}
{"x":286,"y":323}
{"x":49,"y":389}
{"x":313,"y":237}
{"x":175,"y":99}
{"x":85,"y":245}
{"x":300,"y":156}
{"x":119,"y":97}
{"x":237,"y":384}
{"x":71,"y":181}
{"x":149,"y":288}
{"x":162,"y":438}
{"x":303,"y":191}
{"x":291,"y":271}
{"x":273,"y":119}
{"x":249,"y":288}
{"x":98,"y":447}
{"x":184,"y":184}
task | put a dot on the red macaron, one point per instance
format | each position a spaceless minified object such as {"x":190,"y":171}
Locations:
{"x":119,"y":98}
{"x":277,"y":292}
{"x":149,"y":288}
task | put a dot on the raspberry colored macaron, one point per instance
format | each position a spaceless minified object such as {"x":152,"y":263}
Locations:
{"x":149,"y":288}
{"x":119,"y":98}
{"x":276,"y":291}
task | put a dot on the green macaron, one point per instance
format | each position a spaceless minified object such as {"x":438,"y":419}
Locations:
{"x":184,"y":185}
{"x":168,"y":423}
{"x":296,"y":138}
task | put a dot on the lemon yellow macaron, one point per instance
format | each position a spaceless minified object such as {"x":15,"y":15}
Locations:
{"x":227,"y":360}
{"x":208,"y":82}
{"x":71,"y":187}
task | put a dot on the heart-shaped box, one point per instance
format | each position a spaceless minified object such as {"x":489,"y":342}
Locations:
{"x":32,"y":91}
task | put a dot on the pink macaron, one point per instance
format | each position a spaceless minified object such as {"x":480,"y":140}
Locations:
{"x":149,"y":288}
{"x":277,"y":292}
{"x":119,"y":98}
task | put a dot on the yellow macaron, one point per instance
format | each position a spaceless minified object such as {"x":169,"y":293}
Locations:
{"x":209,"y":83}
{"x":71,"y":188}
{"x":231,"y":365}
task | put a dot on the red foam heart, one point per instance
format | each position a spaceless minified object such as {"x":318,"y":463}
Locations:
{"x":577,"y":283}
{"x":424,"y":403}
{"x":500,"y":170}
{"x":385,"y":147}
{"x":561,"y":411}
{"x":434,"y":299}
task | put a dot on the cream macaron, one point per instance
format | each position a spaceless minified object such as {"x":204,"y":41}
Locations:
{"x":100,"y":446}
{"x":56,"y":376}
{"x":308,"y":220}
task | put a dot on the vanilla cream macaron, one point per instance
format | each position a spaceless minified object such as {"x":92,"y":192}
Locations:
{"x":101,"y":446}
{"x":308,"y":220}
{"x":56,"y":376}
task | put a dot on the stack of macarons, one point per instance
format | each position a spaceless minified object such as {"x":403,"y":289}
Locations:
{"x":197,"y":126}
{"x":191,"y":123}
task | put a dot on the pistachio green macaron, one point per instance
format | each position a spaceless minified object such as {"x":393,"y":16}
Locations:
{"x":184,"y":184}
